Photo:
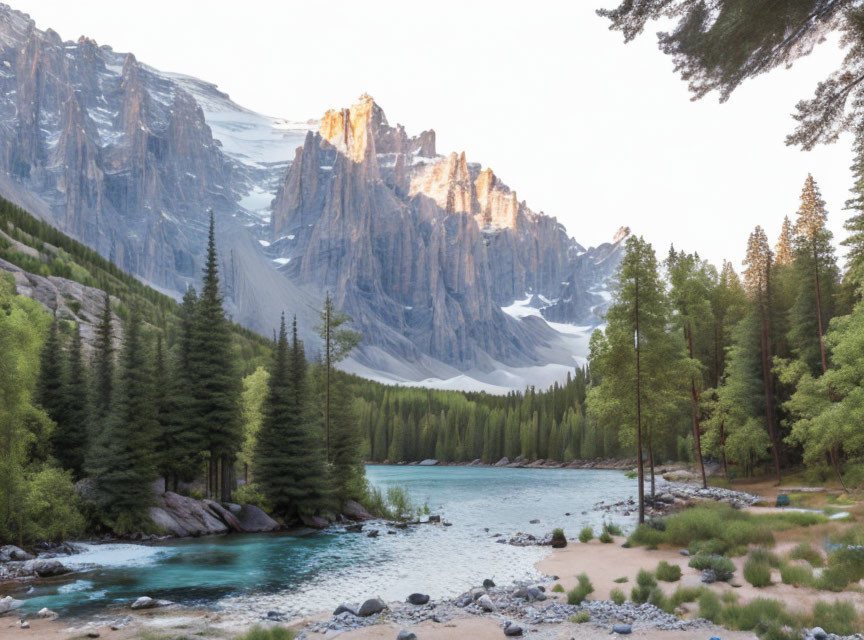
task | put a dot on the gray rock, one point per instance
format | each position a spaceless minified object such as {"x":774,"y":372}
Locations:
{"x":406,"y":635}
{"x":485,"y":603}
{"x":818,"y":633}
{"x":346,"y":608}
{"x":535,"y":521}
{"x":488,"y":583}
{"x":371,"y":607}
{"x":16,"y":553}
{"x":254,"y":520}
{"x":45,"y":613}
{"x":314,"y":522}
{"x":23,"y":625}
{"x":622,"y":629}
{"x":435,"y":518}
{"x":355,"y":511}
{"x":45,"y":568}
{"x":535,"y":594}
{"x":418,"y":598}
{"x":8,"y":604}
{"x":512,"y":630}
{"x":503,"y":462}
{"x":429,"y":462}
{"x":372,"y":534}
{"x":145,"y":602}
{"x":684,"y":552}
{"x":92,"y":634}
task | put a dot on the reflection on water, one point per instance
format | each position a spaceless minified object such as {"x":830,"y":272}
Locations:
{"x":252,"y":574}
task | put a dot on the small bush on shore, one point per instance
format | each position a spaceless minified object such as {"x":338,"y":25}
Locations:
{"x":757,"y":573}
{"x":805,"y":552}
{"x":721,"y":565}
{"x":647,"y":536}
{"x":712,"y":547}
{"x":621,"y":580}
{"x":668,"y":572}
{"x":581,"y":617}
{"x":558,"y":589}
{"x":659,"y":600}
{"x":613,"y":529}
{"x":709,"y":606}
{"x":796,"y":574}
{"x":686,"y":594}
{"x":586,"y":534}
{"x":761,"y":611}
{"x":645,"y":582}
{"x":765,"y":557}
{"x":274,"y":633}
{"x":839,"y":618}
{"x":578,"y":593}
{"x":617,"y":596}
{"x":605,"y":538}
{"x":558,"y":539}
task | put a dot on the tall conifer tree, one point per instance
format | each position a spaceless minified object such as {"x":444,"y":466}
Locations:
{"x":52,"y":371}
{"x":103,"y":363}
{"x":71,"y":435}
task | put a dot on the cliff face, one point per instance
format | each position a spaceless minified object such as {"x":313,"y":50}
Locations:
{"x":423,"y":250}
{"x":421,"y":247}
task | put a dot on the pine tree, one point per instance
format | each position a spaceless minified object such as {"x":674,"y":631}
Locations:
{"x":337,"y":345}
{"x":70,"y":437}
{"x":288,"y":464}
{"x":103,"y":364}
{"x":52,"y":371}
{"x":783,"y":252}
{"x":346,"y":470}
{"x":216,"y":385}
{"x":122,"y":463}
{"x":855,"y":224}
{"x":757,"y":280}
{"x":814,"y":253}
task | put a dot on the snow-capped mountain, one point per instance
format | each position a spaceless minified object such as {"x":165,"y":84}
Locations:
{"x":452,"y":280}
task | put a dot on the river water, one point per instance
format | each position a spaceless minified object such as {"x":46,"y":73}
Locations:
{"x":296,"y":574}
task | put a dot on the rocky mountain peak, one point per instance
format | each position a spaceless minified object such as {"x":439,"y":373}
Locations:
{"x":621,"y":234}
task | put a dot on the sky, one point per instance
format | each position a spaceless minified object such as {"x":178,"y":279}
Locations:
{"x":582,"y":127}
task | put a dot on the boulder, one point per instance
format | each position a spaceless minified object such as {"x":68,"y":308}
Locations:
{"x":429,"y":462}
{"x":372,"y":534}
{"x":145,"y":602}
{"x":418,"y":598}
{"x":45,"y":568}
{"x":355,"y":511}
{"x":15,"y":553}
{"x":184,"y":516}
{"x":45,"y":613}
{"x":435,"y":518}
{"x":225,"y":515}
{"x":8,"y":604}
{"x":254,"y":520}
{"x":232,"y":507}
{"x":488,"y":583}
{"x":485,"y":603}
{"x":818,"y":633}
{"x":354,"y":528}
{"x":23,"y":625}
{"x":371,"y":607}
{"x":315,"y":522}
{"x":622,"y":629}
{"x":512,"y":630}
{"x":503,"y":462}
{"x":535,"y":595}
{"x":345,"y":608}
{"x":406,"y":635}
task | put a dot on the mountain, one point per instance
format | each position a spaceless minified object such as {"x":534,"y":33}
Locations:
{"x":432,"y":256}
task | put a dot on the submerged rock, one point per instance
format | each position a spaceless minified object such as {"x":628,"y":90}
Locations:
{"x":146,"y":602}
{"x":418,"y":598}
{"x":15,"y":553}
{"x":488,"y":583}
{"x":46,"y":568}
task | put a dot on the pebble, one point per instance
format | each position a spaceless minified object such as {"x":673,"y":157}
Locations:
{"x":622,"y":629}
{"x":512,"y":630}
{"x":406,"y":635}
{"x":24,"y":624}
{"x":485,"y":603}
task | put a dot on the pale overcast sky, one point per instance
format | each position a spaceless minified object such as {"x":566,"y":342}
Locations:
{"x":589,"y":130}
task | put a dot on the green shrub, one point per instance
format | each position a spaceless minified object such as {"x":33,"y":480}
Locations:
{"x":833,"y":578}
{"x":557,"y":589}
{"x":711,"y":547}
{"x":757,"y":573}
{"x":586,"y":534}
{"x":796,"y":574}
{"x":761,"y":611}
{"x":613,"y":529}
{"x":839,"y":618}
{"x":558,"y":538}
{"x":581,"y":617}
{"x":852,"y":558}
{"x":686,"y":594}
{"x":621,"y":580}
{"x":659,"y":600}
{"x":722,"y":566}
{"x":617,"y":596}
{"x":709,"y":606}
{"x":740,"y":533}
{"x":646,"y":536}
{"x":578,"y":593}
{"x":273,"y":633}
{"x":765,"y":557}
{"x":805,"y":552}
{"x":853,"y":535}
{"x":605,"y":538}
{"x":645,"y":582}
{"x":668,"y":572}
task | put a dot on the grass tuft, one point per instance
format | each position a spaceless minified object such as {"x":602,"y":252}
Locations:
{"x":586,"y":534}
{"x":668,"y":572}
{"x":578,"y":593}
{"x":617,"y":596}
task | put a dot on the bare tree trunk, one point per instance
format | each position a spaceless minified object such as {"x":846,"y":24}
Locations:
{"x":697,"y":431}
{"x":651,"y":463}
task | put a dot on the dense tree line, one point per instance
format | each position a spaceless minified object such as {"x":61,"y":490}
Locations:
{"x":163,"y":408}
